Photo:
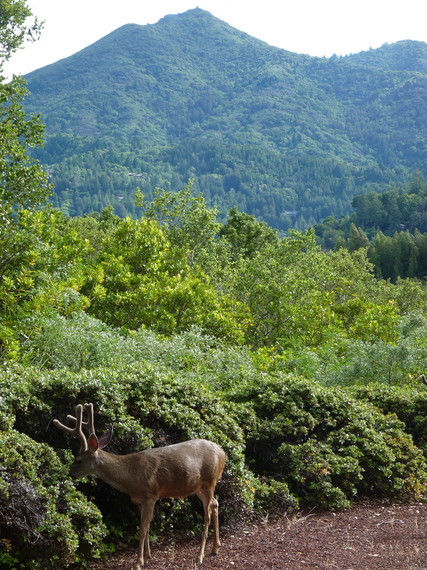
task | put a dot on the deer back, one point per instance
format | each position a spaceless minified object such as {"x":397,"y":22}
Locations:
{"x":176,"y":470}
{"x":181,"y":469}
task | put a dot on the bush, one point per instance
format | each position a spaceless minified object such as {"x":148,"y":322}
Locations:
{"x":346,"y":361}
{"x":76,"y":343}
{"x":406,"y":403}
{"x":83,"y":342}
{"x":326,"y":446}
{"x":44,"y":521}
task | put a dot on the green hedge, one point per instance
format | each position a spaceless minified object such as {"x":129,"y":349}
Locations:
{"x":325,"y":445}
{"x":289,"y":443}
{"x":45,"y":522}
{"x":409,"y":404}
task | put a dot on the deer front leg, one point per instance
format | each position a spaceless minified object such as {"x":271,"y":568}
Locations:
{"x":144,"y":554}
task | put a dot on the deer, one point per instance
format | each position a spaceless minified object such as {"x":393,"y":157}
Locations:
{"x":175,"y":471}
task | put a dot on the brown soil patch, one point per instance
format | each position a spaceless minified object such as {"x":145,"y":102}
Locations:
{"x":366,"y":537}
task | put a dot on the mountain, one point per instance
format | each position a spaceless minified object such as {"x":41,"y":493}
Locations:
{"x":287,"y":137}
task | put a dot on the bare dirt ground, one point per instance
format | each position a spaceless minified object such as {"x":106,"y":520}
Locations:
{"x":366,"y":537}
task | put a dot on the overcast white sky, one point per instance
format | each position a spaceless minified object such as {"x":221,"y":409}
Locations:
{"x":314,"y":27}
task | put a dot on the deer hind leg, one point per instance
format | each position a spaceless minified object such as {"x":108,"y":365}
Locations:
{"x":210,"y":506}
{"x":144,"y":552}
{"x":147,"y":551}
{"x":214,"y":511}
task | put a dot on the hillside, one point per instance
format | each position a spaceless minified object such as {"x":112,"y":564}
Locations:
{"x":287,"y":137}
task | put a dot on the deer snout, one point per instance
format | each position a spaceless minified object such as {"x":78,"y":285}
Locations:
{"x":73,"y":473}
{"x":77,"y":469}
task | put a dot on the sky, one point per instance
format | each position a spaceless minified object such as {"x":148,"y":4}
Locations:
{"x":314,"y":27}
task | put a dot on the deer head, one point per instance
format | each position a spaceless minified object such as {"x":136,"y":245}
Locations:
{"x":86,"y":461}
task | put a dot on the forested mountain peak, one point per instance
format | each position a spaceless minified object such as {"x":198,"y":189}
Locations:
{"x":187,"y":53}
{"x":287,"y":137}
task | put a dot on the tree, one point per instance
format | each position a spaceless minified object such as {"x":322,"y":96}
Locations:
{"x":300,"y":296}
{"x":187,"y":220}
{"x":137,"y":278}
{"x":369,"y":210}
{"x":15,"y":28}
{"x":246,"y":235}
{"x":44,"y":274}
{"x":23,"y":184}
{"x":22,"y":181}
{"x":417,"y":184}
{"x":383,"y":256}
{"x":357,"y":238}
{"x":285,"y":287}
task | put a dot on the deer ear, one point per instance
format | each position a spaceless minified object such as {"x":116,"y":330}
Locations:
{"x":105,"y":438}
{"x":93,"y":442}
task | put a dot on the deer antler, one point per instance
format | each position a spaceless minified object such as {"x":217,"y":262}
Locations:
{"x":77,"y":431}
{"x":90,"y":424}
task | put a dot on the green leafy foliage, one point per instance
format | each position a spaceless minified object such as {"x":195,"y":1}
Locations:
{"x":246,"y":235}
{"x":391,"y":225}
{"x":406,"y":403}
{"x":15,"y":27}
{"x":23,"y":184}
{"x":148,"y":406}
{"x":326,"y":447}
{"x":44,"y":521}
{"x":22,"y":181}
{"x":138,"y":279}
{"x":288,"y":441}
{"x":40,"y":271}
{"x":187,"y":221}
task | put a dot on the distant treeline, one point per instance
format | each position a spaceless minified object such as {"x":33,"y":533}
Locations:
{"x":284,"y":191}
{"x":391,"y":225}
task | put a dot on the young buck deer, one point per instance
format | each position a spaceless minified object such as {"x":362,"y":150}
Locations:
{"x":177,"y":470}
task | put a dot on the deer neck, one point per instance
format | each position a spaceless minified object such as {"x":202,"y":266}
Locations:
{"x":113,"y":469}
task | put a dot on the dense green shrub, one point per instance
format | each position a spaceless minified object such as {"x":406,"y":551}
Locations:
{"x":45,"y":522}
{"x":326,"y":446}
{"x":83,"y":342}
{"x":393,"y":363}
{"x":289,"y":441}
{"x":79,"y":342}
{"x":345,"y":361}
{"x":407,"y":403}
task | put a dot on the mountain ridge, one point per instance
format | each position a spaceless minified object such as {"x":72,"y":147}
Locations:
{"x":189,"y":96}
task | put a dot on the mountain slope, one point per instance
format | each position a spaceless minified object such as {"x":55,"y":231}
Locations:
{"x":401,"y":56}
{"x":288,"y":137}
{"x":154,"y":73}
